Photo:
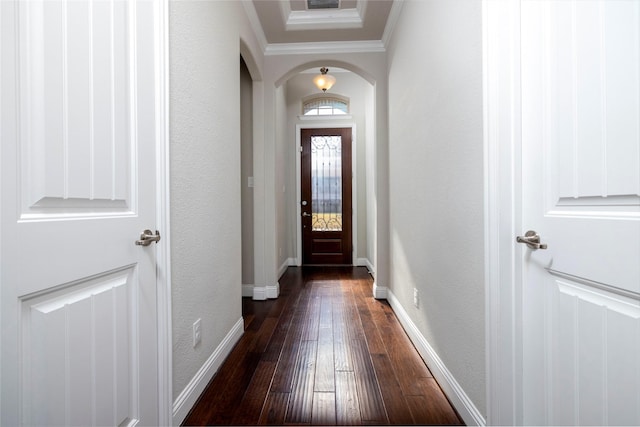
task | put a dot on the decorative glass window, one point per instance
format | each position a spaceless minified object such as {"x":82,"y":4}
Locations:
{"x":325,"y":106}
{"x":326,"y":183}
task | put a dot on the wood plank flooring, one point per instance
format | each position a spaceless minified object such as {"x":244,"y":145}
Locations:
{"x":324,"y":353}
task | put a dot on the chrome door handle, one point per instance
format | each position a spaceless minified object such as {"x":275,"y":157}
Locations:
{"x":306,"y":214}
{"x":147,"y":236}
{"x":532,"y":240}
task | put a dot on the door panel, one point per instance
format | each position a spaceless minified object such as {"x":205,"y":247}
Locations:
{"x":581,"y":192}
{"x":96,"y":321}
{"x":79,"y":97}
{"x":326,"y":196}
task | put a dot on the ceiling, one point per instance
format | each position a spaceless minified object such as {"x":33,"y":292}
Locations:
{"x":291,"y":21}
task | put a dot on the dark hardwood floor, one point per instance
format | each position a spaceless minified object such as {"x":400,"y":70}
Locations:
{"x":324,"y":353}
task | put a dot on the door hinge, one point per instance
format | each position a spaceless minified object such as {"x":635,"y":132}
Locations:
{"x":301,"y":148}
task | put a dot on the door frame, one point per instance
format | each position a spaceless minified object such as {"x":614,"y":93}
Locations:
{"x":354,"y":183}
{"x":503,"y":210}
{"x":163,"y":211}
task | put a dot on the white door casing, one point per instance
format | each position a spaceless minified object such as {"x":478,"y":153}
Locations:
{"x":563,"y":158}
{"x":82,"y":117}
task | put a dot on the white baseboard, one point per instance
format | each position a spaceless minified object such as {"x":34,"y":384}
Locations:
{"x":259,"y":293}
{"x":458,"y":398}
{"x":247,"y":290}
{"x":273,"y":291}
{"x":379,"y":292}
{"x":188,"y":397}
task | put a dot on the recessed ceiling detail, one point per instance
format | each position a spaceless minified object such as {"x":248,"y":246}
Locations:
{"x":344,"y":16}
{"x":291,"y":21}
{"x":323,"y":4}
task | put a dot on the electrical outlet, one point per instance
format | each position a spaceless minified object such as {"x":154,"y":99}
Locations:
{"x":197,"y":333}
{"x":416,"y":297}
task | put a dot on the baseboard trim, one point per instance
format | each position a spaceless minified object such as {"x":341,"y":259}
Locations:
{"x":247,"y":290}
{"x":188,"y":397}
{"x":259,"y":293}
{"x":458,"y":398}
{"x":273,"y":291}
{"x":379,"y":292}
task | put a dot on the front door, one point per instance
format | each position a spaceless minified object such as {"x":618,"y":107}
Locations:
{"x":581,"y":194}
{"x":79,"y":128}
{"x":326,"y":196}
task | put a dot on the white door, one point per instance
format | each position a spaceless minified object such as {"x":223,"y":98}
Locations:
{"x":79,"y":334}
{"x":581,"y":193}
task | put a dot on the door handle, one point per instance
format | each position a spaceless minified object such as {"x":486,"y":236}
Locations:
{"x":306,"y":214}
{"x":147,"y":236}
{"x":532,"y":240}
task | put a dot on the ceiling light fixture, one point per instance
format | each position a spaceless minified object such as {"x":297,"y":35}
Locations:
{"x":323,"y":80}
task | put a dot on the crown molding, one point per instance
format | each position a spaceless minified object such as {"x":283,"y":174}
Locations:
{"x":256,"y":25}
{"x":363,"y":46}
{"x":285,"y":9}
{"x":361,"y":7}
{"x":392,"y":20}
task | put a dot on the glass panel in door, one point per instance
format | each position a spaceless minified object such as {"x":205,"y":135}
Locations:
{"x":326,"y":183}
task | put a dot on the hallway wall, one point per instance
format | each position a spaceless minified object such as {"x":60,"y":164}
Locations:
{"x":284,"y":190}
{"x":436,"y":181}
{"x":246,"y":149}
{"x":205,"y":184}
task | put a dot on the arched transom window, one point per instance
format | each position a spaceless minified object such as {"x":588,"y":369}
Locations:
{"x":325,"y":106}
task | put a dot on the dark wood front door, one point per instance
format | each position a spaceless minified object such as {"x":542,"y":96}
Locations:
{"x":326,"y":196}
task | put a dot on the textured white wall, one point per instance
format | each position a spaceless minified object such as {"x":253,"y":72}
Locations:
{"x":246,"y":136}
{"x":436,"y":180}
{"x":205,"y":177}
{"x":370,"y":178}
{"x":283,"y":170}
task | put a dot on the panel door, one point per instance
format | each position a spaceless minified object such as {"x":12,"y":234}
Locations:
{"x":581,"y":193}
{"x":79,"y":96}
{"x":326,"y":196}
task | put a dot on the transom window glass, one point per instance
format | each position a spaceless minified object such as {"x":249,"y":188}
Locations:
{"x":325,"y":106}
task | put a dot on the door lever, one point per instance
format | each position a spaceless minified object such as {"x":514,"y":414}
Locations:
{"x":147,"y":236}
{"x":532,"y":240}
{"x":306,"y":214}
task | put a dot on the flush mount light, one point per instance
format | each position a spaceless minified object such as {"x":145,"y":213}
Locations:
{"x":323,"y":80}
